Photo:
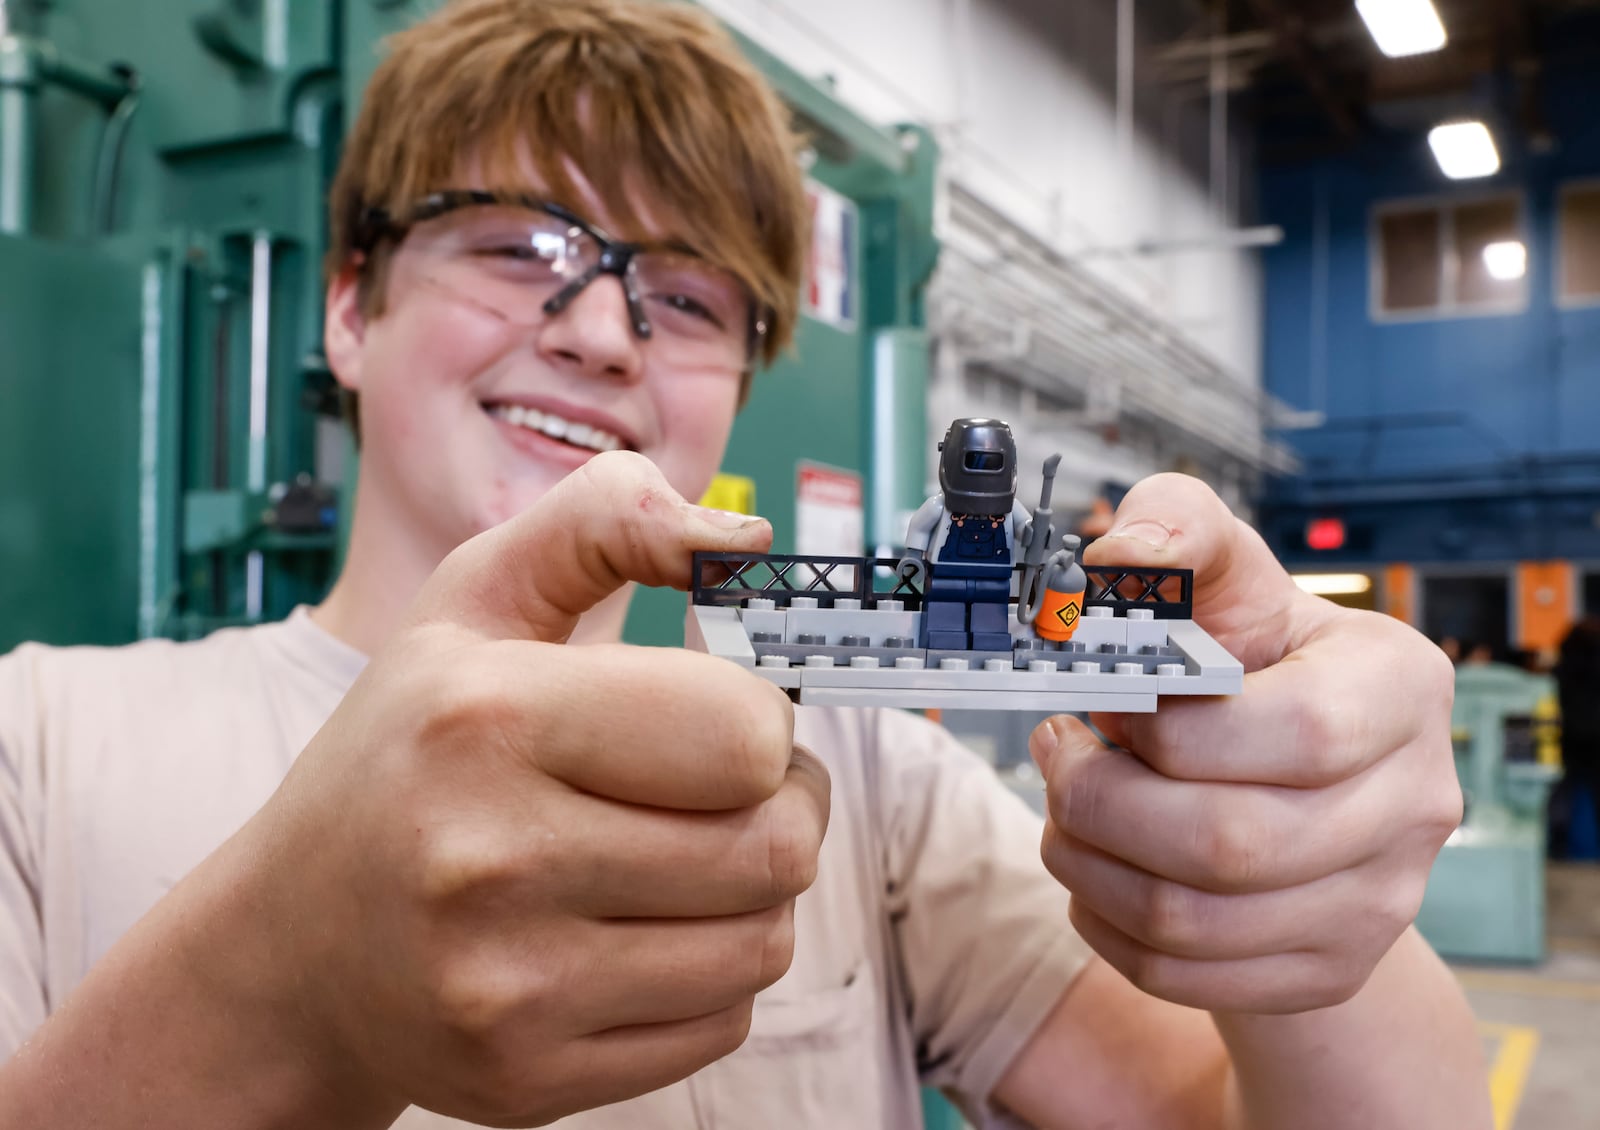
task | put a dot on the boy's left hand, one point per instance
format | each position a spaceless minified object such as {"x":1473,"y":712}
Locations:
{"x":1259,"y":853}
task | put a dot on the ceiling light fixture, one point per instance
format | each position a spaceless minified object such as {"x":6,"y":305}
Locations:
{"x":1403,"y":27}
{"x":1334,"y":584}
{"x":1464,"y":150}
{"x":1506,"y":260}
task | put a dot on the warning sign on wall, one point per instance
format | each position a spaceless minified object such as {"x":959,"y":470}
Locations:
{"x":831,"y":265}
{"x":829,"y":518}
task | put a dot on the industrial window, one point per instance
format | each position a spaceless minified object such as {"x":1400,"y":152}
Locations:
{"x":1441,"y":259}
{"x":1579,"y":235}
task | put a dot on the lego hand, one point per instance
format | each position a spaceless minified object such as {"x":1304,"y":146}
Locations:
{"x":913,"y":569}
{"x":1257,"y":853}
{"x":520,"y":879}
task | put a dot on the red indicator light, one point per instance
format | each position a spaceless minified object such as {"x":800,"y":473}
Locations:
{"x":1325,"y":533}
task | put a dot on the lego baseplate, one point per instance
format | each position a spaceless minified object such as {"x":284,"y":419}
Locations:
{"x":849,"y":655}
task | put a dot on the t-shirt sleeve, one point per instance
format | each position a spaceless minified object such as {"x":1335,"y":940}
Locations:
{"x":985,"y":945}
{"x":22,"y":1000}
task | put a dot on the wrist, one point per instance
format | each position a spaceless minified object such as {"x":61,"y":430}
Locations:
{"x":191,"y":1019}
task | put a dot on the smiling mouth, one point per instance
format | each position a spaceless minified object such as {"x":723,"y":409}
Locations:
{"x":584,"y":436}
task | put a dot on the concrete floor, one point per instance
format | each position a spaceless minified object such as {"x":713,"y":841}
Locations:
{"x":1541,"y":1025}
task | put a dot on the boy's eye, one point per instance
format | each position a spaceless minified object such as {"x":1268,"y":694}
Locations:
{"x":688,"y":305}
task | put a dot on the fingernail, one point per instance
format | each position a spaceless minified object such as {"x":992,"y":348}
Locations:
{"x":1043,"y":743}
{"x":1147,"y":530}
{"x":727,"y":519}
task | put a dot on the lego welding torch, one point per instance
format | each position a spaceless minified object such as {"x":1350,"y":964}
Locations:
{"x":1050,"y":592}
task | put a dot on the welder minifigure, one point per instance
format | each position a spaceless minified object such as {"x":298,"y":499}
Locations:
{"x":968,"y":538}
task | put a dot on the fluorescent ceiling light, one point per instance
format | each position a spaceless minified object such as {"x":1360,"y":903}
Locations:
{"x":1403,"y":27}
{"x":1334,"y":584}
{"x":1507,"y":260}
{"x":1464,"y":150}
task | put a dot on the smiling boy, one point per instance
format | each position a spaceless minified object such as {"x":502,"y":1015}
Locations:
{"x":494,"y":876}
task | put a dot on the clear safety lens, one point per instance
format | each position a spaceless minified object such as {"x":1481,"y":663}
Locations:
{"x":512,"y":260}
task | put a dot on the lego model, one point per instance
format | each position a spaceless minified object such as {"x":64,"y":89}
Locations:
{"x":988,"y":609}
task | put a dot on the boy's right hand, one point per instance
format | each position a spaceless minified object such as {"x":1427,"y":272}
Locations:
{"x":511,"y":879}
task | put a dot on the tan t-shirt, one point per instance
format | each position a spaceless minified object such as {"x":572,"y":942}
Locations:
{"x":928,"y":951}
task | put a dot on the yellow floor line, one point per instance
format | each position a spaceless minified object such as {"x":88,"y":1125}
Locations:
{"x":1508,"y":1075}
{"x":1528,"y":985}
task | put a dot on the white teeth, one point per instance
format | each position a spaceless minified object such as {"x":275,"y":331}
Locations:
{"x":580,"y":435}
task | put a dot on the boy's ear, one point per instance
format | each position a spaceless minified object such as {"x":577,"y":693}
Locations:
{"x":344,"y":327}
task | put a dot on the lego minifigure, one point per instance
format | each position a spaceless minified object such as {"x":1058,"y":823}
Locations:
{"x":967,"y":539}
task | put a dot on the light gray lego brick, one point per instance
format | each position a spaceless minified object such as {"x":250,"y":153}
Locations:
{"x":765,"y":620}
{"x":975,"y":659}
{"x":718,"y":631}
{"x":1146,"y":633}
{"x":786,"y":677}
{"x":912,"y":699}
{"x":1094,"y":631}
{"x":983,"y":682}
{"x":1065,"y":658}
{"x":798,"y":652}
{"x":832,"y":623}
{"x":1201,"y":684}
{"x":1209,"y":668}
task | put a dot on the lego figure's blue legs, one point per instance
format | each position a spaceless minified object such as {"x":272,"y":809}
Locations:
{"x":967,"y":614}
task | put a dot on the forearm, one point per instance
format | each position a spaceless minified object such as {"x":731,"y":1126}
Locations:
{"x":1404,"y":1051}
{"x":185,"y":1023}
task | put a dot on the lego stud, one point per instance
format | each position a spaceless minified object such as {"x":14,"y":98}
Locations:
{"x":1042,"y":666}
{"x":909,"y":663}
{"x":1171,"y":670}
{"x":863,"y":662}
{"x":819,"y":661}
{"x":997,"y":664}
{"x":774,"y":661}
{"x":804,"y":602}
{"x":950,"y":663}
{"x":1086,"y":667}
{"x":1129,"y":668}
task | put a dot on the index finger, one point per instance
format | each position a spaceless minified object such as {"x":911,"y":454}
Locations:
{"x":1362,"y":686}
{"x":614,"y":520}
{"x":643,"y":725}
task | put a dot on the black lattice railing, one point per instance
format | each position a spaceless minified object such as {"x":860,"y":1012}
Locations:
{"x":1169,"y":593}
{"x":731,"y":578}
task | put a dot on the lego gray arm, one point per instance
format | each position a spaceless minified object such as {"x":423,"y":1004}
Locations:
{"x":919,"y":538}
{"x":1021,"y":527}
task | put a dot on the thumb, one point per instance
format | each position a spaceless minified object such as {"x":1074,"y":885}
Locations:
{"x":1242,"y":595}
{"x":612,"y":521}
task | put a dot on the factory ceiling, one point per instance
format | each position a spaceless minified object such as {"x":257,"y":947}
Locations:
{"x":1311,"y":77}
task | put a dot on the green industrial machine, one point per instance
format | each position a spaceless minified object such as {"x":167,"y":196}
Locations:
{"x":1485,"y":897}
{"x":170,"y":456}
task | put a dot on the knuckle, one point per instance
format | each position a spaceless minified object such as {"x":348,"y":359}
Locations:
{"x":1397,"y":908}
{"x":472,"y":1005}
{"x":731,"y":1030}
{"x":1167,"y":915}
{"x":463,"y":861}
{"x":1323,"y":732}
{"x":761,"y":740}
{"x":461,"y":702}
{"x":1231,"y":849}
{"x":792,"y":851}
{"x":1151,"y":972}
{"x":778,"y":948}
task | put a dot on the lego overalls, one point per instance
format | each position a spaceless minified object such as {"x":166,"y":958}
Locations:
{"x":966,"y":607}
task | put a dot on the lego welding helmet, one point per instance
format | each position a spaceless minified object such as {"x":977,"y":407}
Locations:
{"x":978,"y":467}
